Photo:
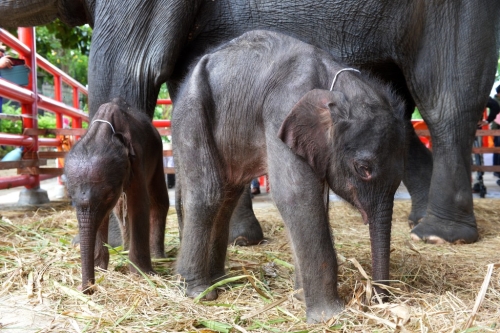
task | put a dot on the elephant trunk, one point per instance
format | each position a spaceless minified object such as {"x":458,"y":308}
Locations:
{"x":88,"y":233}
{"x":380,"y":237}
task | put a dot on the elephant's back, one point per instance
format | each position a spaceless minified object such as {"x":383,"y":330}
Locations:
{"x":242,"y":91}
{"x":259,"y":65}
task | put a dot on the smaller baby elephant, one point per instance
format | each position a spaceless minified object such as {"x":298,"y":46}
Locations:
{"x":265,"y":103}
{"x":118,"y":164}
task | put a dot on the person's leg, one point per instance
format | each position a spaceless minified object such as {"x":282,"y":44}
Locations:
{"x":496,"y":156}
{"x":255,"y":185}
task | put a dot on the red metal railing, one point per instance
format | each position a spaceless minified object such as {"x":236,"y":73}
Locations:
{"x":30,"y":102}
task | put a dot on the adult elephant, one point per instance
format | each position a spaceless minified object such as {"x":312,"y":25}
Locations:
{"x":441,"y":55}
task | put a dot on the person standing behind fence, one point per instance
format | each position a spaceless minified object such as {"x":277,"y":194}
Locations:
{"x":4,"y":63}
{"x":494,"y":109}
{"x":496,"y":139}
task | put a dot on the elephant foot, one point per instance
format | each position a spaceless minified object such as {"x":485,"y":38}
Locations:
{"x":146,"y":269}
{"x":299,"y":295}
{"x":101,"y":258}
{"x":87,"y":289}
{"x":157,"y":254}
{"x":320,"y":314}
{"x":133,"y":270}
{"x":433,"y":230}
{"x":193,"y":292}
{"x":416,"y":215}
{"x":246,"y":240}
{"x":244,"y":229}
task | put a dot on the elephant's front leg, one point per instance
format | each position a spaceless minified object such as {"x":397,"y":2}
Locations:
{"x":304,"y":212}
{"x":451,"y":96}
{"x":450,"y":215}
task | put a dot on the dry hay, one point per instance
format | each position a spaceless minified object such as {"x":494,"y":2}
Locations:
{"x":435,"y":287}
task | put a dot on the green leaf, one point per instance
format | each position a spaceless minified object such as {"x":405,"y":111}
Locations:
{"x":220,"y":283}
{"x":216,"y":326}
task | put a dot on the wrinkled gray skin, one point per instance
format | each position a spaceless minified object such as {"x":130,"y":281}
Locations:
{"x":441,"y":55}
{"x":114,"y":233}
{"x":261,"y":104}
{"x":121,"y":156}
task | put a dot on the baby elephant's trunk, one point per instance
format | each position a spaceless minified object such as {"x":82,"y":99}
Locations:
{"x":88,"y":233}
{"x":380,"y":237}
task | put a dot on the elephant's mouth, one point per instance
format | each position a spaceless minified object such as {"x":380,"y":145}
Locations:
{"x":356,"y":203}
{"x":364,"y":215}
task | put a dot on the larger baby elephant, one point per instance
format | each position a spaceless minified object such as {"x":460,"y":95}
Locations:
{"x":119,"y":157}
{"x":261,"y":103}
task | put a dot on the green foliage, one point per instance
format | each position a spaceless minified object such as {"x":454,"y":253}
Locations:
{"x":163,"y":111}
{"x":67,"y":48}
{"x":416,"y":114}
{"x":497,"y":77}
{"x":77,"y":38}
{"x":48,"y":120}
{"x":10,"y":126}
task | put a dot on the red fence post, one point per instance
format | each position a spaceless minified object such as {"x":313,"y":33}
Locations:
{"x":30,"y":111}
{"x":77,"y":122}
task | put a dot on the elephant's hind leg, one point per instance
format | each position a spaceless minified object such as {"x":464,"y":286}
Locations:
{"x":158,"y":195}
{"x":138,"y":218}
{"x":200,"y":211}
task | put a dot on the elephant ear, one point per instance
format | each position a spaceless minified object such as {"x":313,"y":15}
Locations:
{"x":307,"y":129}
{"x":126,"y":143}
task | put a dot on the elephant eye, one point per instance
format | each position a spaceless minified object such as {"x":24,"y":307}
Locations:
{"x":363,"y":170}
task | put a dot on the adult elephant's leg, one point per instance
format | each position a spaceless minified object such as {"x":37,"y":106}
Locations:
{"x":450,"y":76}
{"x":450,"y":84}
{"x":244,"y":226}
{"x":450,"y":215}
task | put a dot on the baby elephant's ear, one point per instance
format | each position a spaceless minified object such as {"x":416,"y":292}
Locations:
{"x":307,"y":129}
{"x":126,"y":143}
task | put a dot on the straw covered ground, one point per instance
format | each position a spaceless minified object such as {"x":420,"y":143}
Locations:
{"x":436,"y":288}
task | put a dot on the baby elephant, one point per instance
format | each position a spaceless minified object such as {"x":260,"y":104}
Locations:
{"x":265,"y":103}
{"x":118,"y":164}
